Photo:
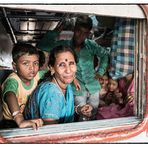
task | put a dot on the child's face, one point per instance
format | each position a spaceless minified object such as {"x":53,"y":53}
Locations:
{"x":103,"y":81}
{"x":27,"y":67}
{"x":112,"y":85}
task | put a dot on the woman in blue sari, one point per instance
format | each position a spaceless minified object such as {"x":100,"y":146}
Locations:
{"x":53,"y":99}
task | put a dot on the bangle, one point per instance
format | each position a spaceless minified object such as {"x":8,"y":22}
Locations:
{"x":15,"y":113}
{"x":76,"y":109}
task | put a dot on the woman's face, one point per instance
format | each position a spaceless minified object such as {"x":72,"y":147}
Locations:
{"x":112,"y":85}
{"x":65,"y":68}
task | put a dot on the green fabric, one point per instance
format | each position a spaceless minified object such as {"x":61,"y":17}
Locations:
{"x":42,"y":73}
{"x":11,"y":84}
{"x":28,"y":87}
{"x":85,"y":66}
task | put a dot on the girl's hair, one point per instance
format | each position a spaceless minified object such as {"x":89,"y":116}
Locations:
{"x":106,"y":74}
{"x":21,"y":49}
{"x":84,"y":21}
{"x":52,"y":59}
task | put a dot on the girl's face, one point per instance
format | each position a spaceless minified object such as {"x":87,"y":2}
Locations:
{"x":27,"y":67}
{"x":112,"y":85}
{"x":65,"y":68}
{"x":104,"y":81}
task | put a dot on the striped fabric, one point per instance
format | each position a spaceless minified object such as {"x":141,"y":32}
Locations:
{"x":122,"y":48}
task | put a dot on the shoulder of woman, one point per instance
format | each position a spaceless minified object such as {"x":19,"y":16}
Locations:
{"x":46,"y":87}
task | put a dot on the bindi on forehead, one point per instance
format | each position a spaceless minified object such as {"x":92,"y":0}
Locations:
{"x":66,"y":60}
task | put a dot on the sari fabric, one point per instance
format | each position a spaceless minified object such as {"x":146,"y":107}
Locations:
{"x":48,"y":101}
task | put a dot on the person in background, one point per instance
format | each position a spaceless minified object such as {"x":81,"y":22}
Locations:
{"x":126,"y":86}
{"x":122,"y":48}
{"x":125,"y":82}
{"x":112,"y":101}
{"x":19,"y":85}
{"x":104,"y":87}
{"x":125,"y":107}
{"x":43,"y":60}
{"x":86,"y":88}
{"x":53,"y":99}
{"x":113,"y":94}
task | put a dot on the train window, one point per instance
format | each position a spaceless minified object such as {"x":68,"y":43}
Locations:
{"x":29,"y":23}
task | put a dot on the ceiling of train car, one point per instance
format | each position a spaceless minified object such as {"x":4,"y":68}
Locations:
{"x":30,"y":26}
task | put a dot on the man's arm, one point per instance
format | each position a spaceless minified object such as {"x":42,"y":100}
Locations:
{"x":101,"y":53}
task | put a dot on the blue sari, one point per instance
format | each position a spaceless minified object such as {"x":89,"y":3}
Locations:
{"x":48,"y":101}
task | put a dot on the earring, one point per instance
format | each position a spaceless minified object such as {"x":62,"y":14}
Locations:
{"x":52,"y":72}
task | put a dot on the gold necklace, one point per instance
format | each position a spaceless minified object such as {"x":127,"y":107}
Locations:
{"x":63,"y":90}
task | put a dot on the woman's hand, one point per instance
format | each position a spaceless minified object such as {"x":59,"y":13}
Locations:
{"x":77,"y":84}
{"x":86,"y":110}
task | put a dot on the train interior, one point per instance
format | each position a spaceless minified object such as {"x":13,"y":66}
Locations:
{"x":29,"y":26}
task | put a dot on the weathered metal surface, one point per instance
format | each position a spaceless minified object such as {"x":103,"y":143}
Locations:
{"x":108,"y":135}
{"x":3,"y":140}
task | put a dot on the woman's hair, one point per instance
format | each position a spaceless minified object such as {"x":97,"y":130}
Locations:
{"x":52,"y":59}
{"x":21,"y":49}
{"x":84,"y":21}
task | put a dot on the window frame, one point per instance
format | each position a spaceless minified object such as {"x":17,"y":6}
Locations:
{"x":90,"y":131}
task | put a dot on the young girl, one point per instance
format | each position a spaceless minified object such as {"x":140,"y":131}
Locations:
{"x":19,"y":85}
{"x":125,"y":107}
{"x":112,"y":101}
{"x":104,"y":87}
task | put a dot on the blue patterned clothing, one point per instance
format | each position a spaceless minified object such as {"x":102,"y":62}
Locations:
{"x":48,"y":101}
{"x":122,"y":49}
